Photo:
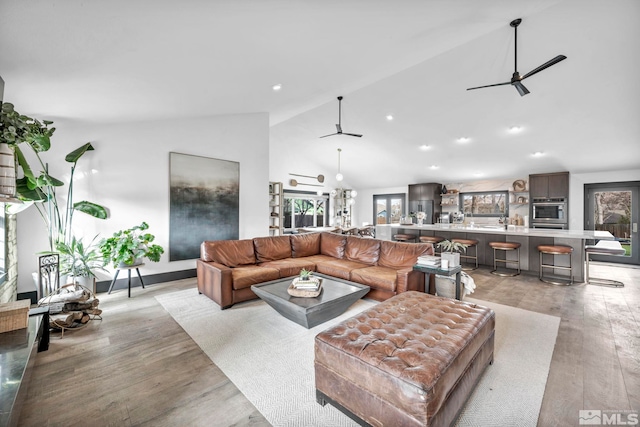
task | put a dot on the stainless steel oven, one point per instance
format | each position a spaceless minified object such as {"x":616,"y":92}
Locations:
{"x":550,"y":213}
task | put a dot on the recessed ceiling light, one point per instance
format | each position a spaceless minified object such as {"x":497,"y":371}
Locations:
{"x":434,"y":167}
{"x":463,"y":139}
{"x":515,"y":129}
{"x":538,"y":154}
{"x":424,"y":147}
{"x":277,"y":87}
{"x":389,"y":117}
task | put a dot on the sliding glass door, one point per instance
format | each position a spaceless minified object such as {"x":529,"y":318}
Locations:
{"x":614,"y":207}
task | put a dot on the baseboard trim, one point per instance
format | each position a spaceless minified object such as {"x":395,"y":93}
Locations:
{"x":121,"y":283}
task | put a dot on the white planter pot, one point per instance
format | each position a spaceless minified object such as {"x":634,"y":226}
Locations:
{"x":453,"y":257}
{"x":87,"y":282}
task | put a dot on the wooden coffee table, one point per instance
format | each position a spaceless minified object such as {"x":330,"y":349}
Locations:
{"x":336,"y":297}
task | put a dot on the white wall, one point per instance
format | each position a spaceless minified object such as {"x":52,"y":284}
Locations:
{"x":132,"y":178}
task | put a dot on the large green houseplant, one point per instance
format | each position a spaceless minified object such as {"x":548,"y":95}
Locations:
{"x":128,"y":247}
{"x":40,"y":189}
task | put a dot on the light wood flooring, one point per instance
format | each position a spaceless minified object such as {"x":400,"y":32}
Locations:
{"x":137,"y":367}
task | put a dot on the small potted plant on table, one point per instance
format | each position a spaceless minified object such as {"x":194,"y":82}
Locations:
{"x":127,"y":248}
{"x":451,"y":251}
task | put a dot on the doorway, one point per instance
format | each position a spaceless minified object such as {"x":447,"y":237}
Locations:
{"x":615,"y":207}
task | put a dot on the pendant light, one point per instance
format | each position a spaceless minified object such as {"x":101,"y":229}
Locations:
{"x":339,"y":176}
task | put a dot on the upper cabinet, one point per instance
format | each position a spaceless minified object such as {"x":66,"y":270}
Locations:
{"x":549,"y":186}
{"x":425,"y":192}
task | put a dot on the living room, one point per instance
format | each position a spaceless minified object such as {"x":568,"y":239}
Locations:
{"x":136,"y":121}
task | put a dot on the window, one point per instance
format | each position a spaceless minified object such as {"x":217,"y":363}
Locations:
{"x":485,"y":204}
{"x":388,"y":208}
{"x":303,"y":209}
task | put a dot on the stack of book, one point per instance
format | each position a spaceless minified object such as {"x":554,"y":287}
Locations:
{"x":429,"y":260}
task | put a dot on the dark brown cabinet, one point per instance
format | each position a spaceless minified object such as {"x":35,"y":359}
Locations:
{"x":426,"y":198}
{"x":549,"y":186}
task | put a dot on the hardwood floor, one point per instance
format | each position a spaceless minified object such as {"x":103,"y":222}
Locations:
{"x":138,"y":367}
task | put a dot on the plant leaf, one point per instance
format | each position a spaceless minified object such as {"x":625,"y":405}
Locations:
{"x":26,"y":192}
{"x":92,"y":209}
{"x":40,"y":143}
{"x":75,"y":155}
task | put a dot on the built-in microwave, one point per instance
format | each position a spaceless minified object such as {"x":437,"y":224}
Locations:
{"x":549,"y":211}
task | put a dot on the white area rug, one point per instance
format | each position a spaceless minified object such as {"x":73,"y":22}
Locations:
{"x":270,"y":360}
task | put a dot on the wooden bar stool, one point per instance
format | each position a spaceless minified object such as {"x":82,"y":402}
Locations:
{"x":404,"y":237}
{"x":603,"y":247}
{"x":434,"y":240}
{"x":470,"y":243}
{"x":505,"y":246}
{"x":555,"y":250}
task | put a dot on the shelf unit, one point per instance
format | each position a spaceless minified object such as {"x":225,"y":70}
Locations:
{"x":450,"y":200}
{"x":276,"y":207}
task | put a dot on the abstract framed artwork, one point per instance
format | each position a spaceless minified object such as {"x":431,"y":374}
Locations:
{"x":204,"y":203}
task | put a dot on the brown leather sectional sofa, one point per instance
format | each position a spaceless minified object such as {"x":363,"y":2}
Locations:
{"x":227,"y":268}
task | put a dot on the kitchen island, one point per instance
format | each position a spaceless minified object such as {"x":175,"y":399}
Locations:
{"x":529,"y":238}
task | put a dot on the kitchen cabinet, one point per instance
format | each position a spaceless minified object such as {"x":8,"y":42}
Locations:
{"x":549,"y":186}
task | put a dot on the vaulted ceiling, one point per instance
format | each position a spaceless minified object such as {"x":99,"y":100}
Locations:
{"x":122,"y":60}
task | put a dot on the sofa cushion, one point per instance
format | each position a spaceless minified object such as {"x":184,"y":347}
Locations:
{"x":272,"y":248}
{"x":402,"y":255}
{"x":290,"y":266}
{"x":366,"y":251}
{"x":231,"y":253}
{"x":244,"y":277}
{"x":340,"y":268}
{"x":306,"y":244}
{"x":333,"y":244}
{"x":377,"y":277}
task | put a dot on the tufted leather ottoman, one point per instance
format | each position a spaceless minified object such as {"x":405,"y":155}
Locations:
{"x":412,"y":360}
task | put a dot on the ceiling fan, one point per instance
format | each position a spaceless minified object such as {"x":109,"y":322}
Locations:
{"x":516,"y":80}
{"x":339,"y":124}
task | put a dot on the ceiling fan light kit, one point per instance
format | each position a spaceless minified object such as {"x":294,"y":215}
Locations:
{"x":516,"y":79}
{"x":339,"y":124}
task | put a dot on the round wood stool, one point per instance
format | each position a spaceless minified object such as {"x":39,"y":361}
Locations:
{"x":471,"y":243}
{"x":434,"y":240}
{"x":505,"y":246}
{"x":555,"y":250}
{"x":404,"y":237}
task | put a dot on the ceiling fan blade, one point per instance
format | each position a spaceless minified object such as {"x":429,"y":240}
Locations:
{"x":545,"y":65}
{"x":331,"y":134}
{"x":497,"y":84}
{"x":521,"y":89}
{"x":353,"y":134}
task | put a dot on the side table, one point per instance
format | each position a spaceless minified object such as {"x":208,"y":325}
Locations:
{"x":428,"y":270}
{"x":128,"y":269}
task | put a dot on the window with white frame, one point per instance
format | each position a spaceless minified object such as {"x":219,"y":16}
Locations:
{"x":305,"y":210}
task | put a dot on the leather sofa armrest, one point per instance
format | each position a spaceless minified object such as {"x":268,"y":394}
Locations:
{"x":408,"y":279}
{"x":216,"y":282}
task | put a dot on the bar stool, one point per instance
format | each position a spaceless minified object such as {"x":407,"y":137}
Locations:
{"x":434,"y":240}
{"x":505,"y":246}
{"x":470,"y":243}
{"x":603,"y":247}
{"x":404,"y":237}
{"x":555,"y":250}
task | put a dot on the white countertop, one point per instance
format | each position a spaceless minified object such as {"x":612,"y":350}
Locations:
{"x":514,"y":230}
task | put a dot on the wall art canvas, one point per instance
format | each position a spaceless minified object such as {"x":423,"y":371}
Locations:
{"x":204,"y":203}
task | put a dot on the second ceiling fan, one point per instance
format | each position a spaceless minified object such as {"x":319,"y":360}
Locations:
{"x":516,"y":80}
{"x":339,"y":124}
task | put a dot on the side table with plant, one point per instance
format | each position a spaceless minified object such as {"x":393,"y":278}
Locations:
{"x":128,"y":247}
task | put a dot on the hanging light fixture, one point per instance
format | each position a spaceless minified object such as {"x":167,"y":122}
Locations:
{"x":339,"y":176}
